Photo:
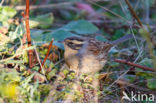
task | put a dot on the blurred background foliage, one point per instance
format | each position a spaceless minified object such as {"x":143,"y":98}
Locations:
{"x":105,"y":20}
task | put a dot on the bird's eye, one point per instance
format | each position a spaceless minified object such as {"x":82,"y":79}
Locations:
{"x":70,"y":44}
{"x":74,"y":45}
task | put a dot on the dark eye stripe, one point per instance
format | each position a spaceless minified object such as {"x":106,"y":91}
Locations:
{"x":74,"y":46}
{"x":76,"y":39}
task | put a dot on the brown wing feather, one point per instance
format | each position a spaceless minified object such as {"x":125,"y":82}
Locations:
{"x":97,"y":47}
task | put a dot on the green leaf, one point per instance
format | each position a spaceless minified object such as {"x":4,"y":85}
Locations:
{"x":118,"y":34}
{"x":147,"y":62}
{"x":113,"y":51}
{"x":139,"y":72}
{"x":15,"y":34}
{"x":37,"y":35}
{"x":74,"y":0}
{"x":1,"y":8}
{"x":65,"y":71}
{"x":3,"y":17}
{"x":10,"y":12}
{"x":59,"y":45}
{"x":82,"y":27}
{"x":151,"y":83}
{"x":51,"y":74}
{"x":33,"y":23}
{"x":59,"y":35}
{"x":101,"y":38}
{"x":114,"y":64}
{"x":151,"y":2}
{"x":154,"y":52}
{"x":35,"y":68}
{"x":12,"y":35}
{"x":42,"y":21}
{"x":130,"y":78}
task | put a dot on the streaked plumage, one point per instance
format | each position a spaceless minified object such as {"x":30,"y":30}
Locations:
{"x":87,"y":54}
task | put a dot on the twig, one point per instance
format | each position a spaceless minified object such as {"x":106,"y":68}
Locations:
{"x":135,"y":65}
{"x":123,"y":73}
{"x":125,"y":12}
{"x":133,"y":13}
{"x":45,"y":6}
{"x":118,"y":79}
{"x":39,"y":61}
{"x":106,"y":9}
{"x":45,"y":79}
{"x":49,"y":48}
{"x":146,"y":34}
{"x":26,"y":16}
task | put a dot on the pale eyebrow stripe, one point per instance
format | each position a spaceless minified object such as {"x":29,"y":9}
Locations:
{"x":77,"y":42}
{"x":74,"y":46}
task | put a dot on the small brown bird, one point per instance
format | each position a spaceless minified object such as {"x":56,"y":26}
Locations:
{"x":88,"y":55}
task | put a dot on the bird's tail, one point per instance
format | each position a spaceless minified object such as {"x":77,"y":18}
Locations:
{"x":122,"y":39}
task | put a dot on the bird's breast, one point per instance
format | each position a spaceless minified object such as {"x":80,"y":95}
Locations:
{"x":90,"y":64}
{"x":71,"y":59}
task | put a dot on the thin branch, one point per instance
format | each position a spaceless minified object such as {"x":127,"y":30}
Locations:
{"x":45,"y":79}
{"x":49,"y":48}
{"x":26,"y":16}
{"x":146,"y":34}
{"x":27,"y":22}
{"x":58,"y":5}
{"x":135,"y":65}
{"x":137,"y":45}
{"x":106,"y":9}
{"x":133,"y":13}
{"x":123,"y":74}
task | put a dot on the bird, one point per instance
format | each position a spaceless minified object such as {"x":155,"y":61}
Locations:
{"x":87,"y":55}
